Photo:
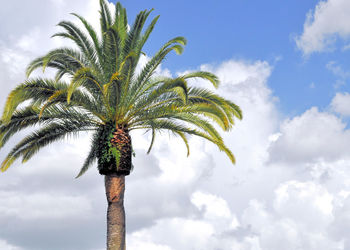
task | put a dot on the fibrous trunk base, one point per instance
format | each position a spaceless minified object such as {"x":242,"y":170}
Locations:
{"x":119,"y":139}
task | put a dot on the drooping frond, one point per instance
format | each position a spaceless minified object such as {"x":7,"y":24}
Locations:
{"x":85,"y":77}
{"x":161,"y":124}
{"x":204,"y":75}
{"x":184,"y":138}
{"x":92,"y":156}
{"x":66,"y":59}
{"x":41,"y":90}
{"x":202,"y":95}
{"x":41,"y":138}
{"x":93,"y":35}
{"x":79,"y":38}
{"x":150,"y":67}
{"x":30,"y":116}
{"x":157,"y":94}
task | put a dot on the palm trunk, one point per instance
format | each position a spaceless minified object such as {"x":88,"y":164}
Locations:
{"x":115,"y":187}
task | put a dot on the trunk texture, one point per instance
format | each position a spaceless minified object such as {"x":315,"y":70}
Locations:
{"x":115,"y":187}
{"x":122,"y":141}
{"x":119,"y":139}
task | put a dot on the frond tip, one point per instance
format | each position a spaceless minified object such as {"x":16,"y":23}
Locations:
{"x":92,"y":156}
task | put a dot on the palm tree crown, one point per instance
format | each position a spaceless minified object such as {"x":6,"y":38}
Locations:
{"x":108,"y":95}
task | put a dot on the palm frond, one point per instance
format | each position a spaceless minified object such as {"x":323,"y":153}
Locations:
{"x":105,"y":16}
{"x":92,"y":156}
{"x":150,"y":67}
{"x":41,"y":138}
{"x":204,"y":75}
{"x":64,"y":59}
{"x":30,"y":116}
{"x":161,"y":124}
{"x":93,"y":35}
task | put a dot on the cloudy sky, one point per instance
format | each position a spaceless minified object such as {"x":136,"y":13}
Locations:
{"x":284,"y":62}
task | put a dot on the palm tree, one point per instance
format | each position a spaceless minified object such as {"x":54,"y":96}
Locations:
{"x":98,"y":88}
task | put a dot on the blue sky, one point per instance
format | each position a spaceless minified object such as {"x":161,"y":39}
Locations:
{"x":249,"y":30}
{"x":285,"y":63}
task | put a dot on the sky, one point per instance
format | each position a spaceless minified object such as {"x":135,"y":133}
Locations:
{"x":283,"y":62}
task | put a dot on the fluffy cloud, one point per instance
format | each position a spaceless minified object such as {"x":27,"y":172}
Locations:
{"x":5,"y":246}
{"x":312,"y":136}
{"x":259,"y":204}
{"x":44,"y":206}
{"x":341,"y":225}
{"x":262,"y":204}
{"x":324,"y":25}
{"x":341,"y":74}
{"x":341,"y":104}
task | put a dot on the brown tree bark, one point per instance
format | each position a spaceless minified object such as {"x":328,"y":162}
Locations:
{"x":115,"y":187}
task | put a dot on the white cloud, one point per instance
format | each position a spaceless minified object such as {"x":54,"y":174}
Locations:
{"x":341,"y":104}
{"x":134,"y":243}
{"x":175,"y":233}
{"x":298,"y":220}
{"x":341,"y":74}
{"x":245,"y":83}
{"x":261,"y":203}
{"x":341,"y":225}
{"x":215,"y":207}
{"x":255,"y":216}
{"x":337,"y":70}
{"x":43,"y":206}
{"x":328,"y":21}
{"x":293,"y":198}
{"x":311,"y":136}
{"x":5,"y":246}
